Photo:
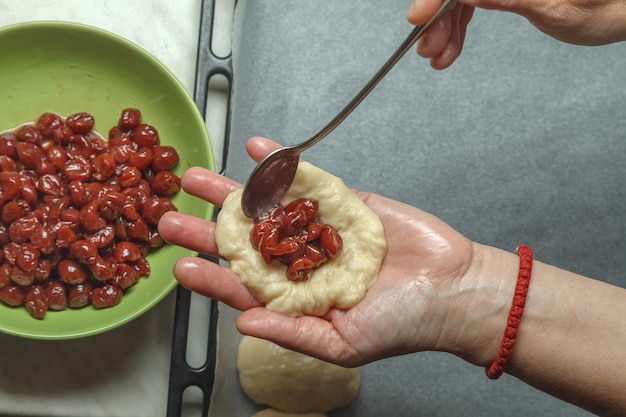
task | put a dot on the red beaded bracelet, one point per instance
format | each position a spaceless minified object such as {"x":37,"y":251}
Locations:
{"x":515,"y":313}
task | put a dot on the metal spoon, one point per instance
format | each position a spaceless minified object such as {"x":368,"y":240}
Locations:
{"x":271,"y":178}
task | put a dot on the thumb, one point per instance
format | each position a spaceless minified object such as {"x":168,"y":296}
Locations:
{"x":421,"y":11}
{"x":258,"y":147}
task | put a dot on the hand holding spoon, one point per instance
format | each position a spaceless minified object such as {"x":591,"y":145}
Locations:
{"x":271,"y":178}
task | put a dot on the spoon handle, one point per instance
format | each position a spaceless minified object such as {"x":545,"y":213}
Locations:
{"x":415,"y":34}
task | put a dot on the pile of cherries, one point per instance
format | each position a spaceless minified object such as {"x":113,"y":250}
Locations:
{"x":295,"y":236}
{"x":79,"y":214}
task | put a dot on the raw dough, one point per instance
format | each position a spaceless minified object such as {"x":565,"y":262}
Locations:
{"x":270,"y":412}
{"x":293,"y":382}
{"x":341,"y":282}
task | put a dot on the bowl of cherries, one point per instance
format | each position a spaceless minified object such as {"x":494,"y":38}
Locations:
{"x":93,"y":142}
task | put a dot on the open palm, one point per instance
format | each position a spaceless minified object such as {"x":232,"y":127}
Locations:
{"x":424,"y":263}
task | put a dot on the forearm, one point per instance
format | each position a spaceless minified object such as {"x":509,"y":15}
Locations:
{"x":572,"y":341}
{"x":572,"y":338}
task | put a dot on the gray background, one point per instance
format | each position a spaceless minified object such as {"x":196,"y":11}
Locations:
{"x":522,"y":140}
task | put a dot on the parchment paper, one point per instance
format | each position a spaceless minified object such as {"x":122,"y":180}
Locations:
{"x":523,"y":140}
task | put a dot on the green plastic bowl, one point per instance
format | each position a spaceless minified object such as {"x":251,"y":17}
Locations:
{"x":67,"y":68}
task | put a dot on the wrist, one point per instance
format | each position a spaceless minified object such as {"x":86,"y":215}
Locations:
{"x":477,"y":315}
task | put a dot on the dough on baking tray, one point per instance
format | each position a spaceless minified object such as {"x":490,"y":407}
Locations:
{"x":270,"y":412}
{"x":292,"y":382}
{"x":341,"y":282}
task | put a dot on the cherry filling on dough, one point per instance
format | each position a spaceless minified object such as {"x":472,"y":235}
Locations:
{"x":295,"y":236}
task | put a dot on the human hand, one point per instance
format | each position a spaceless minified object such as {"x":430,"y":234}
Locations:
{"x":415,"y":303}
{"x":581,"y":23}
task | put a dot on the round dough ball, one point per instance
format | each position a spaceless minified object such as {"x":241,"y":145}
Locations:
{"x":270,"y":412}
{"x":292,"y":382}
{"x":341,"y":282}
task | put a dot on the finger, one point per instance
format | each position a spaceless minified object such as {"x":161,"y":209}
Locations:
{"x":435,"y":39}
{"x":259,"y":147}
{"x":214,"y":281}
{"x":313,"y":336}
{"x":188,"y":231}
{"x":454,"y":45}
{"x":467,"y":12}
{"x":208,"y":185}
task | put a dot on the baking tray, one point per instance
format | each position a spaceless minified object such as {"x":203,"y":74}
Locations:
{"x":182,"y":374}
{"x":521,"y":141}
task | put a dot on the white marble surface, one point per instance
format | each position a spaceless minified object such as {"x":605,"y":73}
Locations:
{"x":123,"y":372}
{"x":168,"y":30}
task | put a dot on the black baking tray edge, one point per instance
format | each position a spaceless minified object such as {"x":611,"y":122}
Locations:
{"x":182,"y":375}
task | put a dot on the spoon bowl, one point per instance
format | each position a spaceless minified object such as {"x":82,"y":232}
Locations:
{"x":269,"y":181}
{"x":271,"y":178}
